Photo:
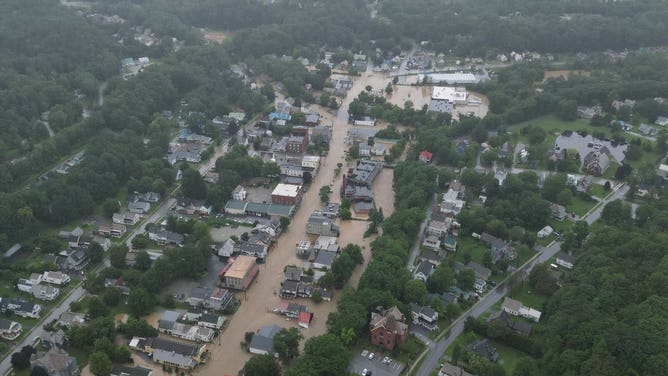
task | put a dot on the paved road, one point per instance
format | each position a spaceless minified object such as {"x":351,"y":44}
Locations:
{"x":436,"y":350}
{"x":38,"y":330}
{"x":416,"y":246}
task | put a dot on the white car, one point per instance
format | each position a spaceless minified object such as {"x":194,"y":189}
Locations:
{"x":371,"y":355}
{"x":386,"y":360}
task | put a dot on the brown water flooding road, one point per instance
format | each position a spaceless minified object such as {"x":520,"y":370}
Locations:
{"x":229,"y":357}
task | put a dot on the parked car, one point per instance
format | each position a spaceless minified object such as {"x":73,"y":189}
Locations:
{"x":371,"y":355}
{"x":386,"y":360}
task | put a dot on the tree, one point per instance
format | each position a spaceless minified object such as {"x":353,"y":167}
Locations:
{"x":143,"y":260}
{"x":117,"y":256}
{"x":263,"y":365}
{"x":284,"y":222}
{"x":567,"y":109}
{"x":456,"y":354}
{"x":140,"y":302}
{"x":324,"y":193}
{"x":21,"y":359}
{"x":112,"y":296}
{"x":100,"y":364}
{"x":286,"y":344}
{"x":95,"y":252}
{"x":388,"y":89}
{"x":465,"y":279}
{"x":96,"y":307}
{"x":415,"y":291}
{"x":193,"y":185}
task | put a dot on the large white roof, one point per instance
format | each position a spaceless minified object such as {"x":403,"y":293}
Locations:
{"x":450,"y":93}
{"x":286,"y":190}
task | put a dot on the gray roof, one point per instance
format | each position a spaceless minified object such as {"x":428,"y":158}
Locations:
{"x":325,"y":258}
{"x":130,"y":371}
{"x":425,"y":267}
{"x":565,"y":257}
{"x":264,"y":338}
{"x":479,"y":270}
{"x":5,"y":324}
{"x":200,"y":292}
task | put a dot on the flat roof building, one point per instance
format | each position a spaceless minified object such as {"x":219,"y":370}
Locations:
{"x":239,"y":272}
{"x":287,"y":194}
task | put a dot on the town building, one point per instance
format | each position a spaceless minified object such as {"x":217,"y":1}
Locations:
{"x":597,"y":162}
{"x":239,"y":272}
{"x":169,"y":324}
{"x":425,"y":156}
{"x":114,"y":230}
{"x":287,"y":194}
{"x":320,"y":225}
{"x":566,"y":260}
{"x":388,"y":328}
{"x":444,"y":98}
{"x":56,"y":278}
{"x":164,"y":237}
{"x":20,"y":307}
{"x":171,"y":353}
{"x":448,"y":369}
{"x":239,"y":193}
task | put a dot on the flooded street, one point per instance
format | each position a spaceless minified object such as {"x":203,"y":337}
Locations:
{"x":227,"y":355}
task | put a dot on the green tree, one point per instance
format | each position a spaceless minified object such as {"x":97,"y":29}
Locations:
{"x":193,"y":185}
{"x":143,"y":260}
{"x":117,"y":256}
{"x":95,"y":252}
{"x":415,"y":291}
{"x":263,"y":365}
{"x":112,"y":296}
{"x":140,"y":302}
{"x":96,"y":307}
{"x":286,"y":344}
{"x":388,"y":89}
{"x":465,"y":279}
{"x":100,"y":364}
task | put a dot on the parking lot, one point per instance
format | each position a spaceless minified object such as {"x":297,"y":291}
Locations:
{"x":361,"y":361}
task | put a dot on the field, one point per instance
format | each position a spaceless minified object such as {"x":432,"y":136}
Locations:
{"x":598,"y":191}
{"x":580,"y":206}
{"x":524,"y":294}
{"x":555,"y":126}
{"x":476,"y":247}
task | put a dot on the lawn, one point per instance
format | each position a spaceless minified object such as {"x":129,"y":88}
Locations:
{"x":476,"y":247}
{"x":553,"y":125}
{"x":529,"y":298}
{"x":462,"y":340}
{"x":598,"y":191}
{"x":508,"y":356}
{"x":580,"y":206}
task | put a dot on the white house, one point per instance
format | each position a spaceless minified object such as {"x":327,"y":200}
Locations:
{"x":311,"y":162}
{"x":45,"y":292}
{"x":365,"y":121}
{"x":424,"y":270}
{"x":239,"y":193}
{"x":565,"y":260}
{"x":56,"y":278}
{"x":545,"y":232}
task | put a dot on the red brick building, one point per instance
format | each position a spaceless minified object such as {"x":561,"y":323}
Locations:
{"x":287,"y":194}
{"x":388,"y":327}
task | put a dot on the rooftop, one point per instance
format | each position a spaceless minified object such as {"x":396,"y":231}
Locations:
{"x":287,"y":190}
{"x":240,"y":266}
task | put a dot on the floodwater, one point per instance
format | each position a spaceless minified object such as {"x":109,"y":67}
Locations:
{"x":227,"y":355}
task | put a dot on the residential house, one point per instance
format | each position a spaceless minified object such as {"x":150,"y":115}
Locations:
{"x":113,"y":230}
{"x":312,"y":119}
{"x":480,"y":271}
{"x":498,"y":247}
{"x":448,"y":369}
{"x":44,"y":292}
{"x":164,"y":237}
{"x":479,"y":285}
{"x":585,"y":112}
{"x":617,"y":105}
{"x":76,"y":259}
{"x":483,"y":349}
{"x":364,"y":150}
{"x":216,"y":299}
{"x":662,"y":121}
{"x":511,"y":306}
{"x":126,"y":218}
{"x":171,"y":353}
{"x":56,"y":278}
{"x":55,"y":362}
{"x":452,"y":204}
{"x":433,"y":256}
{"x":9,"y":330}
{"x":71,"y":319}
{"x":362,"y":209}
{"x":424,"y":316}
{"x":211,"y":321}
{"x":437,"y":228}
{"x":262,"y":342}
{"x":424,"y":270}
{"x":226,"y":249}
{"x":20,"y":307}
{"x":558,"y":211}
{"x":139,"y":207}
{"x":432,"y":242}
{"x":566,"y":260}
{"x":323,"y":260}
{"x":519,"y":327}
{"x":648,"y":130}
{"x":169,"y":324}
{"x":320,"y":225}
{"x":597,"y":162}
{"x":388,"y":328}
{"x":545,"y":232}
{"x":450,"y":243}
{"x":239,"y":193}
{"x":556,"y":155}
{"x":426,"y":156}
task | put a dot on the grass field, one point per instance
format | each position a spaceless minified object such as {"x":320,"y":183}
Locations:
{"x":508,"y":356}
{"x":554,"y":126}
{"x":598,"y":191}
{"x":477,"y":248}
{"x":580,"y":206}
{"x":529,"y":298}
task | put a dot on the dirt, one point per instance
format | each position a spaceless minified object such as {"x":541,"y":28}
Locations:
{"x":216,"y":36}
{"x":564,"y":74}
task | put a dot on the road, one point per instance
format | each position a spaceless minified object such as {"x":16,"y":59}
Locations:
{"x":76,"y":294}
{"x":436,"y":350}
{"x":416,"y":246}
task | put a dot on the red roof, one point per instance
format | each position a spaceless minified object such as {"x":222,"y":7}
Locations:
{"x":425,"y":154}
{"x":250,"y":277}
{"x":305,"y":318}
